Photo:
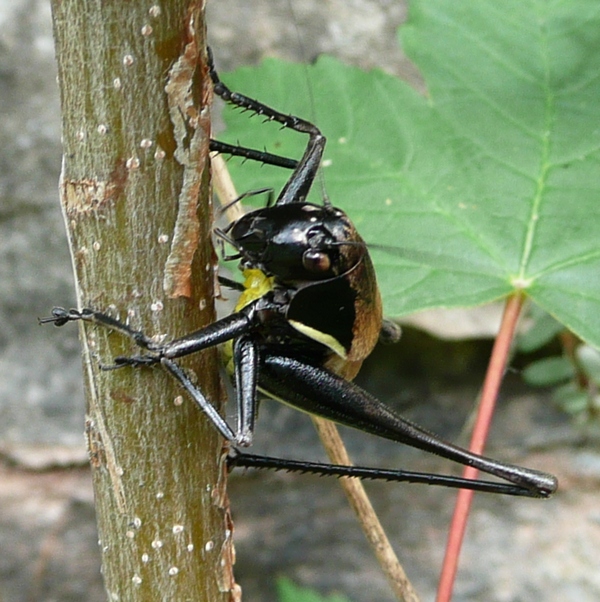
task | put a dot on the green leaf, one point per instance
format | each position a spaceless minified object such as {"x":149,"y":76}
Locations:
{"x":571,"y":399}
{"x":487,"y":185}
{"x":548,"y":371}
{"x":289,"y":592}
{"x":543,"y":329}
{"x":589,"y":359}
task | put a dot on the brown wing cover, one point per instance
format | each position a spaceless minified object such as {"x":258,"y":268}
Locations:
{"x":368,"y":319}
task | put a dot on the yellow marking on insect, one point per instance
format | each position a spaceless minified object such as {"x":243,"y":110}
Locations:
{"x":256,"y":285}
{"x":320,"y":337}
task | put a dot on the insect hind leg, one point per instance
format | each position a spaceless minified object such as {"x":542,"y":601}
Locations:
{"x":318,"y":391}
{"x":237,"y":459}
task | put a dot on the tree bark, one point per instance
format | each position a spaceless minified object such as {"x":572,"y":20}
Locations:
{"x":135,"y":197}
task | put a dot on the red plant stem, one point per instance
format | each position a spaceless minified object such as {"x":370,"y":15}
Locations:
{"x":489,"y":395}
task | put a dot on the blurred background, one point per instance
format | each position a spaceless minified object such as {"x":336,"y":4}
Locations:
{"x":286,"y":525}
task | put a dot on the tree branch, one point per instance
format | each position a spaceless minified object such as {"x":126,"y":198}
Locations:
{"x":135,"y":197}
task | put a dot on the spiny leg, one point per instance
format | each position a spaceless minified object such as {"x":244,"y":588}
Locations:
{"x":237,"y":459}
{"x":253,"y":154}
{"x":245,"y":361}
{"x":317,"y":391}
{"x":297,"y":187}
{"x":316,"y":384}
{"x":61,"y":316}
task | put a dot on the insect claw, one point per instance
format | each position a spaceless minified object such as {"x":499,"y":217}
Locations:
{"x":60,"y":316}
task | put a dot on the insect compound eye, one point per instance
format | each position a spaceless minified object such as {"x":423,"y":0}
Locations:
{"x":316,"y":261}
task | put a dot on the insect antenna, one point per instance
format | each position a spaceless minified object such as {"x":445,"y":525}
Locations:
{"x":311,"y":98}
{"x":223,"y":237}
{"x":350,"y":243}
{"x":224,"y":208}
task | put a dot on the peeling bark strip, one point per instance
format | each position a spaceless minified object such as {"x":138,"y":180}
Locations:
{"x":226,"y":577}
{"x":191,"y":126}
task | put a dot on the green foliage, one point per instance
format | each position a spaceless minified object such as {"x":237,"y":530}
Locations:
{"x":289,"y":592}
{"x":486,"y":185}
{"x":542,"y":330}
{"x":589,"y":360}
{"x":574,"y":375}
{"x":576,"y":381}
{"x":549,"y":371}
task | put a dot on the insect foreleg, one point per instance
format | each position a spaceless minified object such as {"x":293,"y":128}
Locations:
{"x":237,"y":326}
{"x":297,"y":187}
{"x":214,"y":334}
{"x":61,"y":316}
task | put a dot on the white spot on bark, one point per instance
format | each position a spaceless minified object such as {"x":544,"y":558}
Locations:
{"x":132,"y":163}
{"x":157,"y":306}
